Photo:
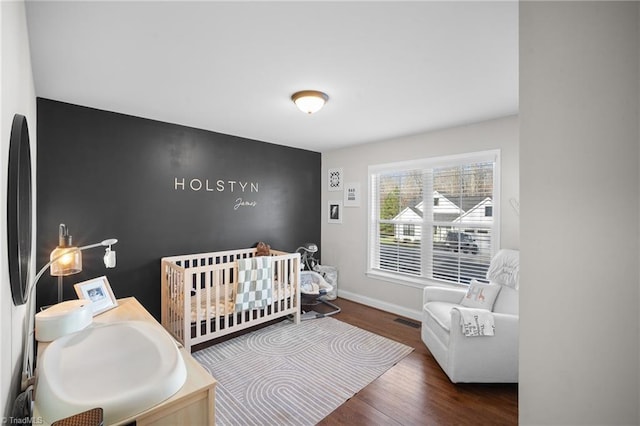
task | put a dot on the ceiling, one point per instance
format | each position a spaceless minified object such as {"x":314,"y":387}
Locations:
{"x":390,"y":68}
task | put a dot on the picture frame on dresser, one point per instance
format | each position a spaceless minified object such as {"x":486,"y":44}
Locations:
{"x":99,"y":291}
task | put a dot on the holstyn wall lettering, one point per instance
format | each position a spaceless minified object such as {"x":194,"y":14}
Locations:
{"x":195,"y":184}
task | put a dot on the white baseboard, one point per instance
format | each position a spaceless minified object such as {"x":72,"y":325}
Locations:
{"x":384,"y":306}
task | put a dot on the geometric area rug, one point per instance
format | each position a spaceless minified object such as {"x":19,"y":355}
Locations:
{"x":287,"y":374}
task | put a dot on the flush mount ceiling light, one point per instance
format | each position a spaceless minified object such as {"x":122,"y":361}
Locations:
{"x":309,"y":101}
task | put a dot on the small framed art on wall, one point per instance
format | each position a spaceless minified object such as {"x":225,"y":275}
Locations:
{"x":335,"y":212}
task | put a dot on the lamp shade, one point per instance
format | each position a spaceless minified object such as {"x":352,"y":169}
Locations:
{"x":65,"y":259}
{"x":309,"y":101}
{"x":69,"y":261}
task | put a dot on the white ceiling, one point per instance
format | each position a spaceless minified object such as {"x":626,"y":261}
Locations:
{"x":390,"y":68}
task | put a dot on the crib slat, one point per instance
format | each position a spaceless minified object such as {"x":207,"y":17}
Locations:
{"x":209,"y":314}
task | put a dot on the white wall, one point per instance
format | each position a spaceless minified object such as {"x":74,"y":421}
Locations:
{"x":18,"y":97}
{"x":345,"y":245}
{"x":579,"y":151}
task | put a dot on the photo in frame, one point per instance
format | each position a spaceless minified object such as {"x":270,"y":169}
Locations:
{"x":99,"y":292}
{"x":335,"y":211}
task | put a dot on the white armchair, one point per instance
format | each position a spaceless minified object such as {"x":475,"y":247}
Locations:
{"x":480,"y":359}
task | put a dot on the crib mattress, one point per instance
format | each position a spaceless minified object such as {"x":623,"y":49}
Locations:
{"x":217,"y":309}
{"x":222,"y":308}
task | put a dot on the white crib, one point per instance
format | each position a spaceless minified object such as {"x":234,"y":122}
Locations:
{"x":199,"y":292}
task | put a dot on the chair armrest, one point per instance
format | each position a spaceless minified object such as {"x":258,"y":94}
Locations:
{"x":508,"y":322}
{"x":506,"y":325}
{"x":484,"y":358}
{"x":443,"y":294}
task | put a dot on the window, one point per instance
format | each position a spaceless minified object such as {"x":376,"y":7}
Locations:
{"x":409,"y":229}
{"x":434,"y":218}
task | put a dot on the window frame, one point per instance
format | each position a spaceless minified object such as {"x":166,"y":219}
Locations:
{"x":427,"y":249}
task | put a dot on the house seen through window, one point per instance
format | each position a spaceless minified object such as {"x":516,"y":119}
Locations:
{"x":434,"y":219}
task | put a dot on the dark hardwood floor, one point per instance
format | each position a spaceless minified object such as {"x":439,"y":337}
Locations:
{"x":416,"y":391}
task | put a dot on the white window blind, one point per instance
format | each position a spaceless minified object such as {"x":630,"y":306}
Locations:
{"x":434,"y":218}
{"x":397,"y":196}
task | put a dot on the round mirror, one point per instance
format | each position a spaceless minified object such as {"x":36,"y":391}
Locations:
{"x":19,"y":209}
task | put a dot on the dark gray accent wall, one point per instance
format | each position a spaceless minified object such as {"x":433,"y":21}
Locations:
{"x":162,"y":189}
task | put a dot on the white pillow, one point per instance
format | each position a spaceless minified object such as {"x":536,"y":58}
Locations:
{"x":505,"y":268}
{"x":481,"y":295}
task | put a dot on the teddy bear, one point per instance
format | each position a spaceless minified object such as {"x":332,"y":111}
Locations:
{"x":263,"y":249}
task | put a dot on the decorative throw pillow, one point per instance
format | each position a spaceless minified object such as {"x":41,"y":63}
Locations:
{"x":481,"y":295}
